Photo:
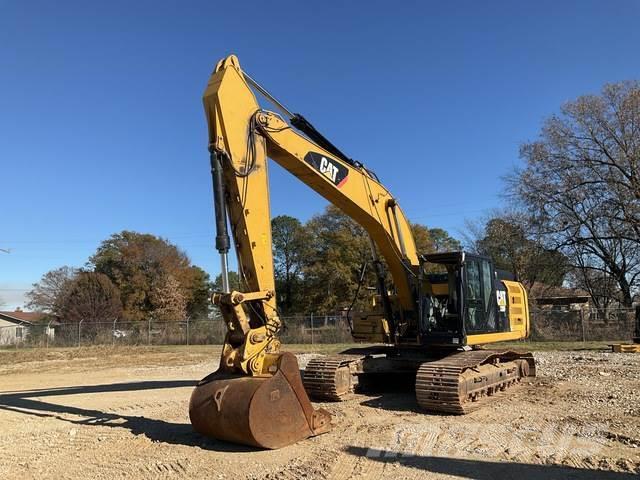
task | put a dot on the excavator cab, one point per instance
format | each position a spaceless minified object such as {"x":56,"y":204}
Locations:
{"x":470,"y":299}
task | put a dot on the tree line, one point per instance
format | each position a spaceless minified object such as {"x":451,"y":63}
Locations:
{"x":324,"y":265}
{"x":131,"y":276}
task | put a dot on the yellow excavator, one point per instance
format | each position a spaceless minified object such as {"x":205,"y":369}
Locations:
{"x":429,"y":323}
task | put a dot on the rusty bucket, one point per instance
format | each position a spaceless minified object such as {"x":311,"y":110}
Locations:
{"x":266,"y":412}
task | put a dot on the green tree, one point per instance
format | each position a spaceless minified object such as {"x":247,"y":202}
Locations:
{"x":234,"y":282}
{"x":443,"y":242}
{"x":289,"y":247}
{"x":433,"y":240}
{"x":337,"y":248}
{"x":506,"y":242}
{"x":137,"y":262}
{"x":196,"y":290}
{"x":423,"y":239}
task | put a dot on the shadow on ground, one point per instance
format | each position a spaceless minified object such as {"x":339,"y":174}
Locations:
{"x":28,"y":402}
{"x":392,"y":401}
{"x":485,"y":470}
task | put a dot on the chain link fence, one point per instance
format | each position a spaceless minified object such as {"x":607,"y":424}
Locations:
{"x":307,"y":329}
{"x":546,"y":325}
{"x":582,"y":324}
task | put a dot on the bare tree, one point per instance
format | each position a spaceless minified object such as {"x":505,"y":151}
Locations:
{"x":581,"y":184}
{"x":46,"y":294}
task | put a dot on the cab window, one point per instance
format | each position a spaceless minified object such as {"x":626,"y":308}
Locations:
{"x":475,"y":314}
{"x":480,"y":314}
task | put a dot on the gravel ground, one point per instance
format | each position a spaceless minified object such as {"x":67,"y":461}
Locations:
{"x":580,"y":418}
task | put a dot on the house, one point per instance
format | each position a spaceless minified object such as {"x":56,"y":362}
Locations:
{"x":15,"y":326}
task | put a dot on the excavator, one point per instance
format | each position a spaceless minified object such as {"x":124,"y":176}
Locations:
{"x":431,"y":319}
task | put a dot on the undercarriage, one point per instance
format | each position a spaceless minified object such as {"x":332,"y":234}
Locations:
{"x":445,"y":381}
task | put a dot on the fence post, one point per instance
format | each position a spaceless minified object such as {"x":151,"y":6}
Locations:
{"x":113,"y":333}
{"x":79,"y":330}
{"x":47,"y":332}
{"x":311,"y":317}
{"x":149,"y":332}
{"x":187,"y":331}
{"x":582,"y":322}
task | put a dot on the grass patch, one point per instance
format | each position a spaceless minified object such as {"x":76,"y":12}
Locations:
{"x":35,"y":359}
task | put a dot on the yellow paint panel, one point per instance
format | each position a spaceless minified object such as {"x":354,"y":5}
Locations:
{"x":493,"y":337}
{"x":370,"y":329}
{"x":518,"y":315}
{"x":518,"y":318}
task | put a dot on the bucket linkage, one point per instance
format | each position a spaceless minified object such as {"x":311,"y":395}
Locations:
{"x":256,"y":397}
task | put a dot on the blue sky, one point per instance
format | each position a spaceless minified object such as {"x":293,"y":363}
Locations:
{"x":102,"y":129}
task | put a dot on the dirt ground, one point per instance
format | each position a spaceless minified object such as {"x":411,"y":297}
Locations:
{"x":123,"y":414}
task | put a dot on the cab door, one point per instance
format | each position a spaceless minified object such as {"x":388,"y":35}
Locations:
{"x":480,"y":299}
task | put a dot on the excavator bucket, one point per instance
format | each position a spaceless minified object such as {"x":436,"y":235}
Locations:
{"x":265,"y":412}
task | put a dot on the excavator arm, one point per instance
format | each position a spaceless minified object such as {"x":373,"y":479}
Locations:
{"x":241,"y":137}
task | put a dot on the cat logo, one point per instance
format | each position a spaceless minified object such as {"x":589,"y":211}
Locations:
{"x":328,"y":169}
{"x":502,"y":300}
{"x":332,"y":169}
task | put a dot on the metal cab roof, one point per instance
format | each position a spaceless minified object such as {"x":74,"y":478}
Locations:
{"x":451,"y":258}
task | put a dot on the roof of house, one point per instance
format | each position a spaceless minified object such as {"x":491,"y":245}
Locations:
{"x":18,"y":316}
{"x":548,"y":294}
